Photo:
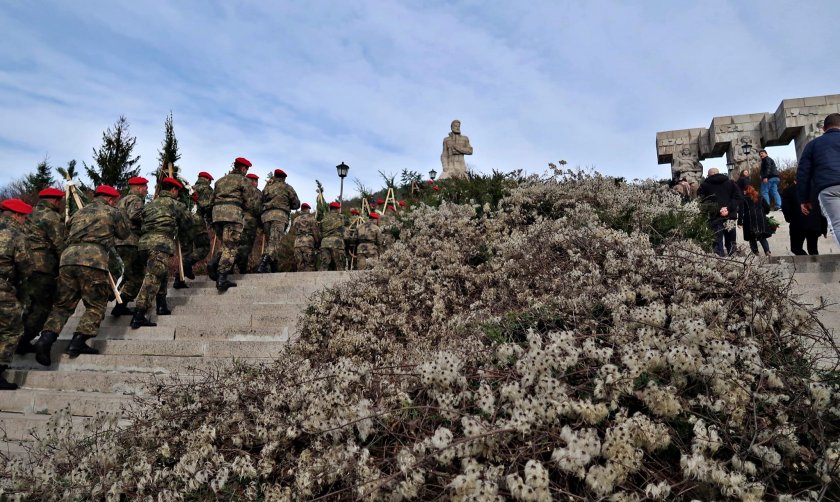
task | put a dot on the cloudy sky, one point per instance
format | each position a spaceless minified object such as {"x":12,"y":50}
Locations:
{"x":304,"y":85}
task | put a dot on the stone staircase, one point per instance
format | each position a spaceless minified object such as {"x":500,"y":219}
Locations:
{"x":816,"y":278}
{"x":250,"y":323}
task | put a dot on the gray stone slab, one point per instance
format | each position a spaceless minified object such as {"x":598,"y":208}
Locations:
{"x":47,"y":402}
{"x":91,"y":381}
{"x":132,"y":363}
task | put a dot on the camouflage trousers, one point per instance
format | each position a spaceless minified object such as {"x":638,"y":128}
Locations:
{"x":365,"y":252}
{"x":90,"y":285}
{"x":154,"y":279}
{"x":274,"y":233}
{"x":246,"y":242}
{"x":198,"y":249}
{"x":40,"y":292}
{"x":305,"y":258}
{"x":11,"y":325}
{"x":332,"y":255}
{"x":133,"y":270}
{"x":230,"y":236}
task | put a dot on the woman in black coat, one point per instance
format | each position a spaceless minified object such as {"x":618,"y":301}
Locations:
{"x":753,"y":217}
{"x":802,"y":227}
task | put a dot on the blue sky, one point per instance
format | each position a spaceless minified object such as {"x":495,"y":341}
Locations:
{"x":306,"y":85}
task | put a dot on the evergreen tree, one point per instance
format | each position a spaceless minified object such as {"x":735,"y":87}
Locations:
{"x":68,"y":173}
{"x":114,"y":163}
{"x":168,"y":152}
{"x":42,"y":178}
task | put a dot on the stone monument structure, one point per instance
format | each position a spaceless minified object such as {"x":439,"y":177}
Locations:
{"x":455,"y":146}
{"x":795,"y":119}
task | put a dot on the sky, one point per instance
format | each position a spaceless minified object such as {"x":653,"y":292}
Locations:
{"x":305,"y":85}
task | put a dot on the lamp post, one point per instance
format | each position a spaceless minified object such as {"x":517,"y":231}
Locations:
{"x":731,"y":166}
{"x":342,"y":173}
{"x":746,"y":148}
{"x":432,"y":174}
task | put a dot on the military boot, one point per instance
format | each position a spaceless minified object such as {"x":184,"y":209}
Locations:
{"x":161,"y":307}
{"x":121,"y":309}
{"x":224,"y":283}
{"x":43,"y":347}
{"x":25,"y":346}
{"x":139,"y":320}
{"x":179,"y":284}
{"x":265,"y":265}
{"x":213,"y":268}
{"x":242,"y":265}
{"x":5,"y":384}
{"x":188,"y":269}
{"x":78,"y":346}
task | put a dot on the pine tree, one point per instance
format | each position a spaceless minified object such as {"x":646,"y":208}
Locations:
{"x":69,"y":174}
{"x":168,"y":152}
{"x":114,"y":163}
{"x":42,"y":178}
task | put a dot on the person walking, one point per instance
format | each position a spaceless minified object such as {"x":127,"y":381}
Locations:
{"x":369,"y":236}
{"x":278,"y":200}
{"x":250,"y":222}
{"x":332,"y":240}
{"x":307,"y":235}
{"x":802,"y":228}
{"x":15,"y":268}
{"x":228,"y":205}
{"x":721,"y":199}
{"x":820,"y":165}
{"x":753,"y":218}
{"x":769,"y":179}
{"x":204,"y":199}
{"x":133,"y":267}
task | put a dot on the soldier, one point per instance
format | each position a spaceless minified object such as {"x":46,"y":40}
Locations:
{"x":194,"y":247}
{"x":332,"y":239}
{"x":307,"y":236}
{"x":164,"y":220}
{"x":251,"y":214}
{"x":369,"y":236}
{"x":45,"y":232}
{"x":387,"y":223}
{"x":228,"y":203}
{"x":83,"y":273}
{"x":132,"y":205}
{"x":15,"y":268}
{"x":279,"y":199}
{"x":204,"y":202}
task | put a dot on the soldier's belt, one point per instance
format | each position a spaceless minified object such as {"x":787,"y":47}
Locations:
{"x":228,"y":203}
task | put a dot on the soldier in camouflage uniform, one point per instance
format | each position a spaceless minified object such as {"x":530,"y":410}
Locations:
{"x":228,"y":205}
{"x":332,"y":239}
{"x":251,"y":220}
{"x":165,"y":219}
{"x":307,"y":235}
{"x":279,"y":199}
{"x":132,"y":205}
{"x":15,"y":268}
{"x":204,"y":201}
{"x":45,"y":232}
{"x":83,"y":273}
{"x":388,"y":225}
{"x":369,"y":236}
{"x":195,"y":246}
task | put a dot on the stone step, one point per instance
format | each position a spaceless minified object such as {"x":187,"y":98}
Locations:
{"x":268,"y":292}
{"x":47,"y":402}
{"x":276,"y":333}
{"x":186,"y":347}
{"x":131,"y":363}
{"x":15,"y":449}
{"x":85,"y":381}
{"x":198,"y":320}
{"x":19,"y":427}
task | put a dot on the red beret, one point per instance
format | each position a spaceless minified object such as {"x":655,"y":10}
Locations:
{"x":16,"y":206}
{"x":374,"y":215}
{"x":242,"y":160}
{"x":354,"y":211}
{"x":390,"y":208}
{"x":172,"y":181}
{"x":252,"y":176}
{"x":51,"y":192}
{"x":205,"y":174}
{"x":380,"y":201}
{"x":401,"y":203}
{"x":435,"y":188}
{"x":305,"y":206}
{"x":279,"y":172}
{"x":138,"y":180}
{"x":335,"y":204}
{"x":106,"y":190}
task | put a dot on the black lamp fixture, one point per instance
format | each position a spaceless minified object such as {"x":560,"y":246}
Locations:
{"x":746,"y":148}
{"x":342,"y":173}
{"x":432,"y":174}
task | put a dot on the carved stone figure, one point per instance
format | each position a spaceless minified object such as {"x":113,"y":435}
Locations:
{"x":686,"y":167}
{"x":455,"y":146}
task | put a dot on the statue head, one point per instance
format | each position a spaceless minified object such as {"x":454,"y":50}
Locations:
{"x":685,"y":152}
{"x":456,"y":126}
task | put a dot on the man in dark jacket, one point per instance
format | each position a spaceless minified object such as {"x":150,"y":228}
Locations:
{"x":721,"y":198}
{"x":820,"y":165}
{"x":802,"y":227}
{"x":769,"y":179}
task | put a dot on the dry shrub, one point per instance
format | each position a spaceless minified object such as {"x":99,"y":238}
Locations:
{"x":532,"y":352}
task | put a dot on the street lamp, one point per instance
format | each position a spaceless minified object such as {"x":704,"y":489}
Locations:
{"x":746,"y":148}
{"x":342,"y":173}
{"x":432,"y":174}
{"x":730,"y":165}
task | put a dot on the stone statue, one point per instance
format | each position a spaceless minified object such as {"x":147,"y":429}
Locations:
{"x":686,"y":171}
{"x":455,"y":146}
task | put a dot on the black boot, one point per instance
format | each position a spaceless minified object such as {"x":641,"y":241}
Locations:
{"x":188,"y":271}
{"x":242,"y":265}
{"x":179,"y":284}
{"x":5,"y":384}
{"x":25,"y":346}
{"x":43,"y":347}
{"x":139,"y":320}
{"x":223,"y":283}
{"x":121,"y":309}
{"x":265,"y":265}
{"x":78,"y":346}
{"x":162,"y":307}
{"x":213,"y":268}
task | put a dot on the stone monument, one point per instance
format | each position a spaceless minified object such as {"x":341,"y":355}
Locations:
{"x":455,"y":146}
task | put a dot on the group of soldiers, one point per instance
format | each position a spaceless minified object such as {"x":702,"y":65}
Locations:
{"x":48,"y":265}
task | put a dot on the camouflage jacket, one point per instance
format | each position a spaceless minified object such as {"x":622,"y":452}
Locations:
{"x":15,"y":258}
{"x":46,"y":234}
{"x":305,"y":228}
{"x":205,"y":196}
{"x":198,"y":235}
{"x":368,"y":232}
{"x":253,"y":203}
{"x":132,"y":205}
{"x":278,"y":199}
{"x":229,"y":198}
{"x":91,"y":233}
{"x":164,"y":220}
{"x":332,"y":231}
